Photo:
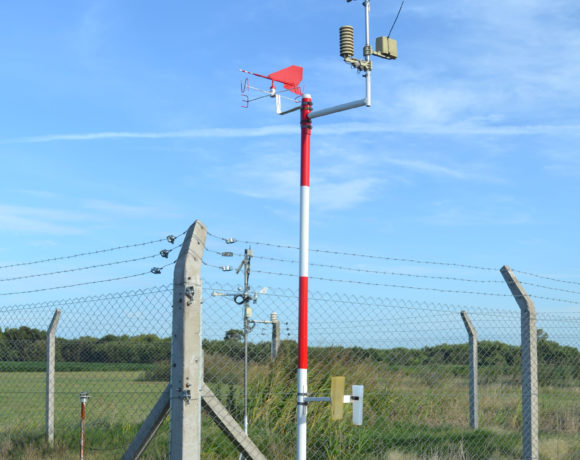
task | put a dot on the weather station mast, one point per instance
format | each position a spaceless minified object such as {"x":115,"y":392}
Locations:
{"x":290,"y":78}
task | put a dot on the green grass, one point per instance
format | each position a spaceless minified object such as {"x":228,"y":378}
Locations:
{"x":415,"y":412}
{"x":64,"y":366}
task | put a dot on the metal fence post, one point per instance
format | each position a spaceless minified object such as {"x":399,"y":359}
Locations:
{"x":275,"y":335}
{"x":473,"y":397}
{"x":50,"y":359}
{"x":186,"y":352}
{"x":529,"y":365}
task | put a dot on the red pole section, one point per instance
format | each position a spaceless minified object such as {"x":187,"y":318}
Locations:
{"x":301,"y":407}
{"x":82,"y":455}
{"x":84,"y":398}
{"x":306,"y":125}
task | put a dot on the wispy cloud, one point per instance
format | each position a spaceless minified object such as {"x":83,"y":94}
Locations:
{"x":450,"y":215}
{"x":41,"y":220}
{"x":119,"y":208}
{"x":339,"y":195}
{"x":194,"y":133}
{"x":425,"y":167}
{"x":563,"y":163}
{"x":273,"y":173}
{"x":464,"y":129}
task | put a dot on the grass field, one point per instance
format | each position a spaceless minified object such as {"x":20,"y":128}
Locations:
{"x":415,"y":412}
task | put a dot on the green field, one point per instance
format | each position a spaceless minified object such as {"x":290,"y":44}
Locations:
{"x":410,"y":412}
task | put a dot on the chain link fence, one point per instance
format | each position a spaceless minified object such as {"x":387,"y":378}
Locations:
{"x":412,"y":358}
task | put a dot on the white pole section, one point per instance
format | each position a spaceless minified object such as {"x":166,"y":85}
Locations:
{"x":367,"y":5}
{"x":302,"y":390}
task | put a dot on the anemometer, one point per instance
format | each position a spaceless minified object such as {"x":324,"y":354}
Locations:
{"x":290,"y":78}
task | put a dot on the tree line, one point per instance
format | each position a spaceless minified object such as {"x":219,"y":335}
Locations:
{"x":27,"y":344}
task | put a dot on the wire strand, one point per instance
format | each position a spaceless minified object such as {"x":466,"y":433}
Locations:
{"x":353,"y":254}
{"x":396,"y":18}
{"x":367,"y":283}
{"x":363,"y":270}
{"x":394,"y":259}
{"x":549,"y":278}
{"x":78,"y":269}
{"x":83,"y":284}
{"x":451,"y":291}
{"x":100,"y":251}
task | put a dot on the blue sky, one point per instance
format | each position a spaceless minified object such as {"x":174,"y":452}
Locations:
{"x":120,"y":122}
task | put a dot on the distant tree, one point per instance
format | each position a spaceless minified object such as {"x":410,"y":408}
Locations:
{"x":542,"y":335}
{"x":24,"y":333}
{"x":234,"y":334}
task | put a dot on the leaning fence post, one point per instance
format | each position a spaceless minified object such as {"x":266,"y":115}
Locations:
{"x":275,"y":335}
{"x":529,"y":365}
{"x":473,"y":398}
{"x":186,"y":352}
{"x":50,"y":358}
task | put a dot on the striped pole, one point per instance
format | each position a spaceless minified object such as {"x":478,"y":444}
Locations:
{"x":84,"y":398}
{"x":301,"y":404}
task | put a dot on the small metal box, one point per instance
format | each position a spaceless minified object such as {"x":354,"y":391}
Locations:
{"x":386,"y":47}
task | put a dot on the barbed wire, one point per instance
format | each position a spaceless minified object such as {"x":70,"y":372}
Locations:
{"x":363,"y":270}
{"x":79,"y":268}
{"x":546,"y":278}
{"x":354,"y":254}
{"x":411,"y":275}
{"x":398,"y":259}
{"x":52,"y":288}
{"x":527,"y":283}
{"x":76,"y":301}
{"x":418,"y":288}
{"x":170,"y":238}
{"x":368,"y":283}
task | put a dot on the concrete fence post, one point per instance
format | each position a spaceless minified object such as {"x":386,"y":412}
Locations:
{"x":186,"y":378}
{"x":186,"y":393}
{"x":529,"y":352}
{"x":275,"y":335}
{"x":473,"y":397}
{"x":50,"y":363}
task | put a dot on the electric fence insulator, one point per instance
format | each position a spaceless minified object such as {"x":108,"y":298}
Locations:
{"x":156,"y":270}
{"x":164,"y":253}
{"x":346,"y":42}
{"x":171,"y":238}
{"x":227,"y":254}
{"x":230,"y":240}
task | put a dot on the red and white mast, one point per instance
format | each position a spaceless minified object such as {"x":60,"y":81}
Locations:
{"x":302,"y":404}
{"x":290,"y":77}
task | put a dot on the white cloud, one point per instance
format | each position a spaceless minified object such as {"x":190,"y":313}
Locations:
{"x":118,"y":208}
{"x":194,"y":133}
{"x":41,"y":220}
{"x":563,"y":163}
{"x":473,"y":127}
{"x":454,"y":216}
{"x":334,"y":196}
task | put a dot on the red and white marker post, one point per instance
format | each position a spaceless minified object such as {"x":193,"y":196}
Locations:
{"x":301,"y":403}
{"x":291,"y":77}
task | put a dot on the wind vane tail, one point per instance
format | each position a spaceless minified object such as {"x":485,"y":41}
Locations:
{"x":290,"y":77}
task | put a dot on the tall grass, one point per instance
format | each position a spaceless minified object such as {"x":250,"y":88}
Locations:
{"x":410,"y":412}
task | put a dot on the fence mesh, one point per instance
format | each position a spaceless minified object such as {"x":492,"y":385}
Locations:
{"x":412,"y":358}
